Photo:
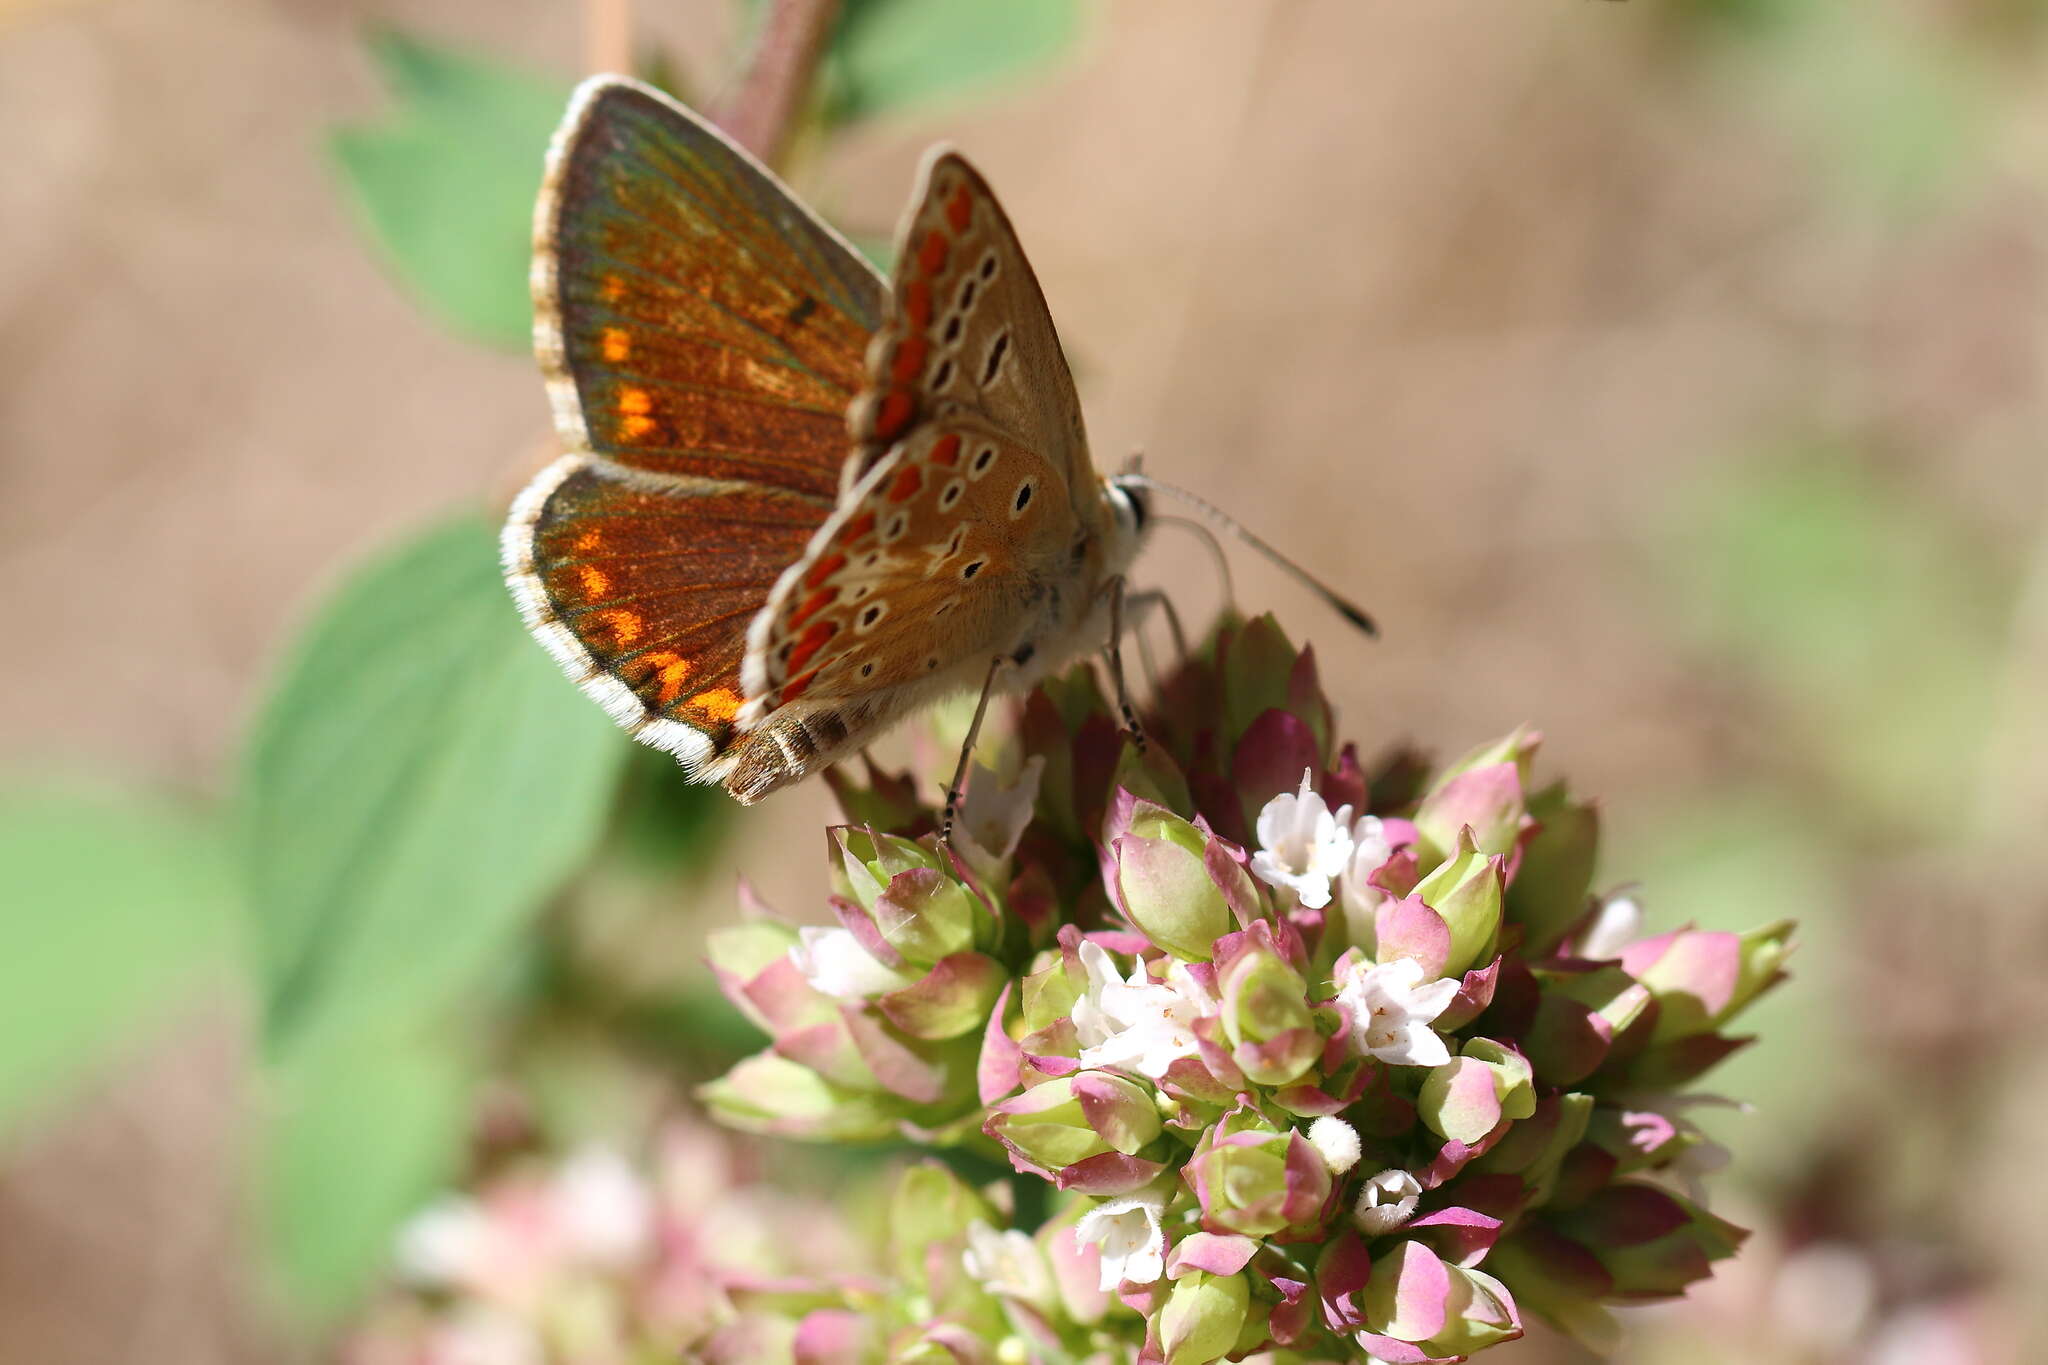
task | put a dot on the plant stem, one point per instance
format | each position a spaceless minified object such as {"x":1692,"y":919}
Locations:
{"x":761,"y":115}
{"x":608,"y":36}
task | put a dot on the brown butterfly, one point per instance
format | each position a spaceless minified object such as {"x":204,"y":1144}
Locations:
{"x":798,"y":501}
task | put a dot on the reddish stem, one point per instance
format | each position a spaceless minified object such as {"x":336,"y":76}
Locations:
{"x":762,"y":114}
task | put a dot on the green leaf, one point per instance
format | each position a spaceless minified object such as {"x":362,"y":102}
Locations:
{"x":420,"y":782}
{"x":888,"y":54}
{"x":361,"y":1137}
{"x":445,"y":186}
{"x":116,"y":907}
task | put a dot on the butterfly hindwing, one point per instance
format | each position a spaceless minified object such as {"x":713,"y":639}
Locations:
{"x":695,"y":321}
{"x":934,"y":564}
{"x":650,"y":622}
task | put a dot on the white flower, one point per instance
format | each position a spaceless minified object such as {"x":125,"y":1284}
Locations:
{"x":833,"y":961}
{"x":1356,"y":893}
{"x":1615,"y":925}
{"x":1007,"y":1263}
{"x":604,"y":1209}
{"x":1133,"y":1244}
{"x":445,"y":1244}
{"x":1391,"y":1011}
{"x":1337,"y":1141}
{"x":993,"y":816}
{"x":1302,"y":844}
{"x":1139,"y":1023}
{"x":480,"y":1334}
{"x":1387,"y":1201}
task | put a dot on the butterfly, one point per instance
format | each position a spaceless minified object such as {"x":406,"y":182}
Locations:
{"x":797,"y":501}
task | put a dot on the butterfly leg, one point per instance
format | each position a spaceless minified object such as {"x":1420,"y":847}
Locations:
{"x":1116,"y":663}
{"x":959,"y":786}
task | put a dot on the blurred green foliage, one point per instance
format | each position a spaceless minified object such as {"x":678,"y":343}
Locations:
{"x":363,"y":1130}
{"x":116,"y":908}
{"x":421,"y":780}
{"x":445,"y":185}
{"x":889,"y":55}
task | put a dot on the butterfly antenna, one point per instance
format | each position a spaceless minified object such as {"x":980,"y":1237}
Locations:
{"x":1215,"y":552}
{"x":1222,"y":520}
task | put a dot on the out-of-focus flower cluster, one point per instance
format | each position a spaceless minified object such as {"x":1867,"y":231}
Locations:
{"x":1317,"y":1061}
{"x":603,"y":1260}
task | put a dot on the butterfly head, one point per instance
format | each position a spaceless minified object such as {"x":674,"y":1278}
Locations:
{"x":1130,"y":512}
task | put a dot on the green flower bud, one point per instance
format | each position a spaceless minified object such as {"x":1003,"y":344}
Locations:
{"x":1254,"y":1179}
{"x":1202,"y":1317}
{"x":1466,"y":891}
{"x":1064,"y":1122}
{"x":1468,"y":1096}
{"x":1556,"y":875}
{"x":917,"y":906}
{"x":1267,"y":1018}
{"x":1165,"y":885}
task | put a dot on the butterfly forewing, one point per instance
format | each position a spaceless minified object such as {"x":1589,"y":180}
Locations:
{"x":968,"y":331}
{"x":702,"y":335}
{"x":695,"y":321}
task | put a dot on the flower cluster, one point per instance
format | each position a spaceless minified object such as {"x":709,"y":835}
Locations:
{"x":1346,"y":1064}
{"x":606,"y":1260}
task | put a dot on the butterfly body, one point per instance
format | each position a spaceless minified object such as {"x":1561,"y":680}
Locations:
{"x":797,"y":502}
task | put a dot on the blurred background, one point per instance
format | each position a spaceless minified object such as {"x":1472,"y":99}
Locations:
{"x":1667,"y":374}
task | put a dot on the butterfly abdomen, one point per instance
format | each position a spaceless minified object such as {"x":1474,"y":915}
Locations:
{"x":783,"y":749}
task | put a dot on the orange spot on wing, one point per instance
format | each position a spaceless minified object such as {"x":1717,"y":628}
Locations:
{"x":906,"y":484}
{"x":960,"y":208}
{"x":612,"y":289}
{"x":588,"y":542}
{"x":824,"y":569}
{"x":616,"y":343}
{"x":931,"y":257}
{"x":917,"y":304}
{"x":720,"y":703}
{"x":946,"y":450}
{"x":625,"y":626}
{"x":674,"y":670}
{"x":634,"y":405}
{"x":895,"y":415}
{"x":812,"y":605}
{"x":596,"y":582}
{"x":814,"y":640}
{"x":794,"y":688}
{"x":857,"y":529}
{"x":909,"y":359}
